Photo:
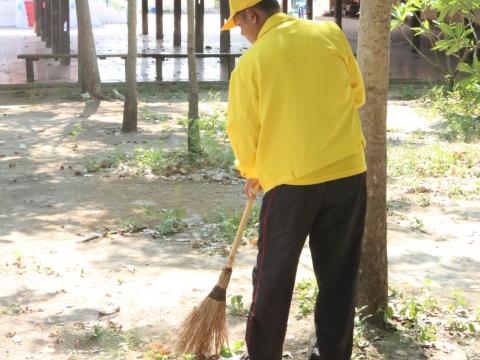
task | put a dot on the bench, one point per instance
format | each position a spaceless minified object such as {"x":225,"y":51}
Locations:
{"x":159,"y":58}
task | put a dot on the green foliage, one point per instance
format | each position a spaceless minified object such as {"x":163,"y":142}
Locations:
{"x":213,"y":132}
{"x":238,"y":348}
{"x":172,"y":221}
{"x":306,"y":292}
{"x":421,"y":318}
{"x":228,"y":222}
{"x":112,"y":338}
{"x":76,"y":130}
{"x":419,"y":225}
{"x":453,"y":38}
{"x":460,"y":109}
{"x":359,"y":329}
{"x":111,"y":160}
{"x":14,"y":309}
{"x":147,"y":115}
{"x":237,"y":307}
{"x":128,"y":225}
{"x":148,"y":158}
{"x":458,"y":299}
{"x":435,"y":161}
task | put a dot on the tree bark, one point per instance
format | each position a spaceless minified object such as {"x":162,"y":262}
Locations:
{"x":88,"y":74}
{"x":130,"y":105}
{"x":193,"y":130}
{"x":373,"y":58}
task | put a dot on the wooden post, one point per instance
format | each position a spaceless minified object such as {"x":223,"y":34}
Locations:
{"x":338,"y":12}
{"x":199,"y":21}
{"x":177,"y":23}
{"x":64,"y":47}
{"x":37,"y":5}
{"x":144,"y":17}
{"x":30,"y":74}
{"x":43,"y":20}
{"x":55,"y":26}
{"x":159,"y":18}
{"x":48,"y":24}
{"x":310,"y":9}
{"x":224,"y":35}
{"x":158,"y":66}
{"x":285,"y":6}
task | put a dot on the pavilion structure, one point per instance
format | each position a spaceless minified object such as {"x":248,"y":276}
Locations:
{"x":52,"y":22}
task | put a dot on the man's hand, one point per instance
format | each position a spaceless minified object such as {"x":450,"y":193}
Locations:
{"x":250,"y":186}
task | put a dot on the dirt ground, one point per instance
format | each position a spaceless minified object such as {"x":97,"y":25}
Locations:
{"x":55,"y":289}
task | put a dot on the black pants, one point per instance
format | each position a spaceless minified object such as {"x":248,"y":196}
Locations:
{"x":332,"y":214}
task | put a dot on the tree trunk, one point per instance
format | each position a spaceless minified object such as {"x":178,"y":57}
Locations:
{"x":130,"y":104}
{"x":373,"y":58}
{"x":88,"y":74}
{"x":193,"y":130}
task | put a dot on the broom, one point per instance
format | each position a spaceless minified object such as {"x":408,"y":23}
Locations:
{"x":204,"y":331}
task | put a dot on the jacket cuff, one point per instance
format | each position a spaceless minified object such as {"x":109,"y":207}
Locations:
{"x":245,"y":172}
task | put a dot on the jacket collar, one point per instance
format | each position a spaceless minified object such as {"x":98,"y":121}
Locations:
{"x":273,"y":21}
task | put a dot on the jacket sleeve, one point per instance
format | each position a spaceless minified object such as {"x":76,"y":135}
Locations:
{"x":243,"y":126}
{"x":356,"y":79}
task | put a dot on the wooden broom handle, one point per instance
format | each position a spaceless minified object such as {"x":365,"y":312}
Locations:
{"x":241,"y":228}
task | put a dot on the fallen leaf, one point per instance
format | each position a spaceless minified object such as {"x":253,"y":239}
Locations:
{"x":158,"y":347}
{"x":109,"y":310}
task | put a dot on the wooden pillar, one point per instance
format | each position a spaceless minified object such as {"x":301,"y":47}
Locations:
{"x":285,"y":6}
{"x":43,"y":20}
{"x":64,"y":30}
{"x":48,"y":23}
{"x":144,"y":17}
{"x":55,"y":26}
{"x":338,"y":12}
{"x":309,"y":9}
{"x":224,"y":35}
{"x":37,"y":5}
{"x":177,"y":23}
{"x":199,"y":22}
{"x":159,"y":18}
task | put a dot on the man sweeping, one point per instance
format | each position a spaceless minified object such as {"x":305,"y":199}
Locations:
{"x":295,"y":130}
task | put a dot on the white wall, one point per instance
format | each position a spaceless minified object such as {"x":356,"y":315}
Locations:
{"x":7,"y":12}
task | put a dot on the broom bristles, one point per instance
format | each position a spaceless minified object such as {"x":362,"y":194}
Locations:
{"x":204,"y":330}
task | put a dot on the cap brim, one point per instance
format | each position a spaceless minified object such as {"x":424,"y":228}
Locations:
{"x":229,"y":24}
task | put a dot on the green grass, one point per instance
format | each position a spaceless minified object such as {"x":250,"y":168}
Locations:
{"x":406,"y":91}
{"x":420,"y":317}
{"x":306,"y":292}
{"x":145,"y":114}
{"x":460,"y":109}
{"x":229,"y":220}
{"x":434,"y":160}
{"x":172,"y":221}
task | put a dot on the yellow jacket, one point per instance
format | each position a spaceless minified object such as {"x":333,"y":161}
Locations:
{"x":292,"y":107}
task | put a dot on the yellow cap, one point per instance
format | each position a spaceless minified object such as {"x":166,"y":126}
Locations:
{"x":235,"y":7}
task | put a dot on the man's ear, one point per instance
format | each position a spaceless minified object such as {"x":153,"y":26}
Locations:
{"x":252,"y":16}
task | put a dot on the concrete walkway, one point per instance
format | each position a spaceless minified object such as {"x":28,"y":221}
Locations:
{"x":113,"y":39}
